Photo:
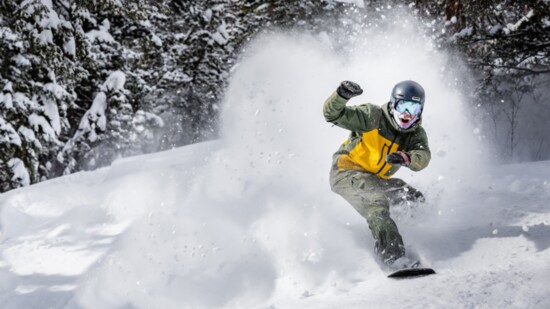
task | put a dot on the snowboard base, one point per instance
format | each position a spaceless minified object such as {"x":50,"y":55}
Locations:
{"x":411,"y":273}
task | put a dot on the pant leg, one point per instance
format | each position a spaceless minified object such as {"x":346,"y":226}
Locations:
{"x":366,"y":193}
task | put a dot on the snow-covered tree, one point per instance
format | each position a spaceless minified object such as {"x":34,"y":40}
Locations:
{"x":107,"y":130}
{"x":506,"y":44}
{"x":34,"y":101}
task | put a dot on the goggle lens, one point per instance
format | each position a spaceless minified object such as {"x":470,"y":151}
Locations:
{"x":414,"y":108}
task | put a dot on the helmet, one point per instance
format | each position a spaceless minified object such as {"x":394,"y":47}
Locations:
{"x":407,"y":103}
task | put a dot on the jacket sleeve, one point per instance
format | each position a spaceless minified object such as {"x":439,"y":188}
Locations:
{"x":419,"y":151}
{"x":353,"y":118}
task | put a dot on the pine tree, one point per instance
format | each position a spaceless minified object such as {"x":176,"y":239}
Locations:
{"x":33,"y":100}
{"x":104,"y":132}
{"x":506,"y":45}
{"x":116,"y":34}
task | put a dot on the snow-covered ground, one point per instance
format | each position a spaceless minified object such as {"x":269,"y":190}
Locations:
{"x":156,"y":232}
{"x":249,"y":221}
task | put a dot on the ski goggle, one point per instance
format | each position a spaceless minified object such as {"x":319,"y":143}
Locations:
{"x":414,"y":108}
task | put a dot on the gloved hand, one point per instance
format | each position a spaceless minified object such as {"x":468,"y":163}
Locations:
{"x":398,"y":158}
{"x":348,"y":89}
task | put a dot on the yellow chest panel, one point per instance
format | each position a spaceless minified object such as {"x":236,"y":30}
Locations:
{"x":370,"y":154}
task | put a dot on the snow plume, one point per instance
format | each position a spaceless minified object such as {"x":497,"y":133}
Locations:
{"x":251,"y":217}
{"x":279,"y":147}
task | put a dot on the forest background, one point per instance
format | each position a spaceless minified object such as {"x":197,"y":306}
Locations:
{"x":86,"y":82}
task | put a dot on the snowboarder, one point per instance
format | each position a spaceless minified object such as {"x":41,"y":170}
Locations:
{"x":383,"y":138}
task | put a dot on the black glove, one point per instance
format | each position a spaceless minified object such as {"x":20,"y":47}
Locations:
{"x":398,"y":158}
{"x":348,"y":90}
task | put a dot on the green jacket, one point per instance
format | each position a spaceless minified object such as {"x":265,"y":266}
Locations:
{"x":374,"y":135}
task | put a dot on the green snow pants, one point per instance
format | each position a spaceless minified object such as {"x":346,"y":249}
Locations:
{"x":370,"y":196}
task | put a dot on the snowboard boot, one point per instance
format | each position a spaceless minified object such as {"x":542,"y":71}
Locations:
{"x":402,"y":263}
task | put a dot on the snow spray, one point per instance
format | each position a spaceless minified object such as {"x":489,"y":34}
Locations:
{"x":254,"y":219}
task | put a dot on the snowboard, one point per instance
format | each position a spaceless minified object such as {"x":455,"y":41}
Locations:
{"x":411,"y":273}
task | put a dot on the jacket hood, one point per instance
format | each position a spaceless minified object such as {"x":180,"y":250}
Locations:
{"x":391,"y":120}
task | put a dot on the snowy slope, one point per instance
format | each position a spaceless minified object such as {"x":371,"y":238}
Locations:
{"x":142,"y":234}
{"x":249,"y":221}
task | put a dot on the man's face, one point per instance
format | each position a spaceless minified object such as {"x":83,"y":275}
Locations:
{"x":406,"y":113}
{"x":406,"y":118}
